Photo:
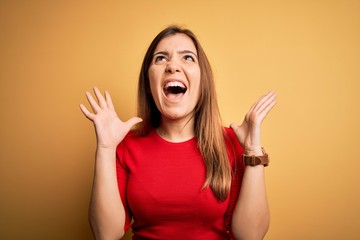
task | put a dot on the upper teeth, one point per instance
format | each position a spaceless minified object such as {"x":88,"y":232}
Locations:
{"x":174,"y":84}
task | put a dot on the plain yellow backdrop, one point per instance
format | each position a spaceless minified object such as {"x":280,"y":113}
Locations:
{"x":51,"y":52}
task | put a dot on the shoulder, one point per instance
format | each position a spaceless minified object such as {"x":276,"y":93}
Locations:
{"x":132,"y":138}
{"x":129,"y":140}
{"x":230,"y":136}
{"x":229,"y":132}
{"x":133,"y":143}
{"x":233,"y":146}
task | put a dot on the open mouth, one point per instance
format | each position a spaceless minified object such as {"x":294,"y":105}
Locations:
{"x":174,"y":90}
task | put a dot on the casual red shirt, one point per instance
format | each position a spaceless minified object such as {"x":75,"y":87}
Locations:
{"x":160,"y":185}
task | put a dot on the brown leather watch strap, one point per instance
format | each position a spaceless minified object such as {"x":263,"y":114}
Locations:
{"x":256,"y":160}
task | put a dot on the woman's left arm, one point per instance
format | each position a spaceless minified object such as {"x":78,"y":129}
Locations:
{"x":251,"y":216}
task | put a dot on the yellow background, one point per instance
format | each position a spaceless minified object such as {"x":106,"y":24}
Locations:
{"x":306,"y":51}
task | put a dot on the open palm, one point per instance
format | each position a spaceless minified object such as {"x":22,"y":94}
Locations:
{"x":110,"y":130}
{"x":248,"y":133}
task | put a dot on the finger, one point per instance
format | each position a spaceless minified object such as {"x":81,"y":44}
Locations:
{"x":132,"y":121}
{"x":255,"y":105}
{"x":100,"y":98}
{"x":264,"y":100}
{"x":108,"y":100}
{"x":237,"y":129}
{"x":86,"y":112}
{"x":266,"y":109}
{"x":262,"y":112}
{"x":239,"y":132}
{"x":265,"y":103}
{"x":94,"y":105}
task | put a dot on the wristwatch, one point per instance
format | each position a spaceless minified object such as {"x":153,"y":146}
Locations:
{"x":256,"y":160}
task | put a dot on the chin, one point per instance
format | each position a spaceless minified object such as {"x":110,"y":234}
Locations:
{"x":175,"y":115}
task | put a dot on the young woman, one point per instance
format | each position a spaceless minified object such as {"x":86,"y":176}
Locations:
{"x":180,"y":174}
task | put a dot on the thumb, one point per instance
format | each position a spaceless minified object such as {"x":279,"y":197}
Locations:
{"x":234,"y":127}
{"x":132,"y":121}
{"x":238,"y":132}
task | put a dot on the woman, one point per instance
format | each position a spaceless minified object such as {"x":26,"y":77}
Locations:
{"x":179,"y":174}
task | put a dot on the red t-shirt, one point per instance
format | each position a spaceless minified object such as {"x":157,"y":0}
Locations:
{"x":160,"y":185}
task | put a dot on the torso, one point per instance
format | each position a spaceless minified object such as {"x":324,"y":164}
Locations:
{"x":164,"y":190}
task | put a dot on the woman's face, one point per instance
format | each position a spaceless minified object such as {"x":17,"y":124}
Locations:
{"x":174,"y":76}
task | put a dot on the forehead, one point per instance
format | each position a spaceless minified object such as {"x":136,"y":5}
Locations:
{"x":176,"y":42}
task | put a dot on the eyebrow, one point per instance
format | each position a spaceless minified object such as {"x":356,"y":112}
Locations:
{"x":179,"y":52}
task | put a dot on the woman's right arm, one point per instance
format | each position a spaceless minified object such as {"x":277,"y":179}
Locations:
{"x":106,"y":212}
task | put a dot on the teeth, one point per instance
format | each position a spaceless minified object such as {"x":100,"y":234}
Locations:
{"x":174,"y":84}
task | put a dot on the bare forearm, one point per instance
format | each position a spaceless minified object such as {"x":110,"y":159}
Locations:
{"x":251,"y":215}
{"x":106,"y":213}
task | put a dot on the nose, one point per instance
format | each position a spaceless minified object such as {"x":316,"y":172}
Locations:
{"x":172,"y":67}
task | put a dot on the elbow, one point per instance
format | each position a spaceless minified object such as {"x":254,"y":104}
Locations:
{"x":251,"y":229}
{"x":102,"y":232}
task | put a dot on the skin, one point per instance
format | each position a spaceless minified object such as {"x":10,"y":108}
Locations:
{"x":175,"y":59}
{"x":106,"y":211}
{"x":251,"y":217}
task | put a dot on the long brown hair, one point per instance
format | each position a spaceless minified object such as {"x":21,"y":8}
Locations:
{"x":209,"y":130}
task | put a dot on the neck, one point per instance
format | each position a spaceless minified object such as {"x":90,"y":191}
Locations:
{"x":177,"y":130}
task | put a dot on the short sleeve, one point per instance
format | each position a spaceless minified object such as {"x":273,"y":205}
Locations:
{"x":122,"y":179}
{"x":235,"y":152}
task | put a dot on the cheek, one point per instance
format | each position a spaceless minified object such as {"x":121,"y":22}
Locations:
{"x":197,"y":85}
{"x":155,"y":74}
{"x":192,"y":72}
{"x":195,"y":78}
{"x":152,"y":79}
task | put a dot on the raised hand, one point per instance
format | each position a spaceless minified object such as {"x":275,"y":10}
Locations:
{"x":110,"y":130}
{"x":248,"y":133}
